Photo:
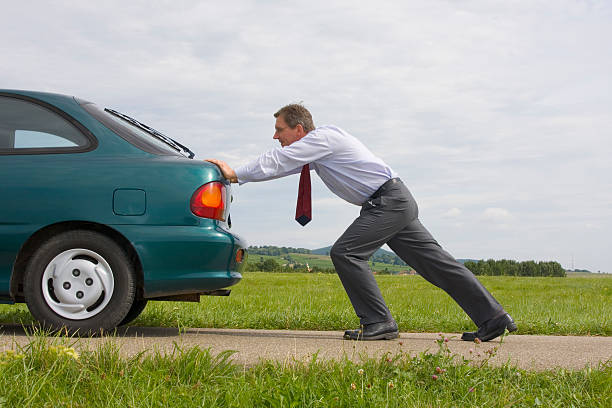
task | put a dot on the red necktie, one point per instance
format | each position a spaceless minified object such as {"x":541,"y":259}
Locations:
{"x":303,"y":211}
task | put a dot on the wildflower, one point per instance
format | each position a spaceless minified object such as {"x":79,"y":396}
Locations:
{"x":434,"y":377}
{"x":391,"y":385}
{"x":471,"y":389}
{"x":62,"y":351}
{"x":368,"y":386}
{"x":446,"y":340}
{"x":360,"y":371}
{"x":401,"y":343}
{"x":353,"y":386}
{"x":9,"y":355}
{"x":438,"y":370}
{"x":471,"y":351}
{"x":388,"y":360}
{"x":477,"y":340}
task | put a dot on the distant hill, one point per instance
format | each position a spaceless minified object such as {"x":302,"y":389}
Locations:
{"x":325,"y":251}
{"x":380,"y":252}
{"x":467,"y":260}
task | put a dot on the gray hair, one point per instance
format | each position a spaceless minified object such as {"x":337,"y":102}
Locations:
{"x":296,"y":114}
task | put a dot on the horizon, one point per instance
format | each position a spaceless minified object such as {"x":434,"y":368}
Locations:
{"x":575,"y":269}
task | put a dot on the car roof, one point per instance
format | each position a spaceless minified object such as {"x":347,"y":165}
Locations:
{"x":34,"y":94}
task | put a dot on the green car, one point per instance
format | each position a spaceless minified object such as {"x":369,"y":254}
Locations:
{"x":100,"y":213}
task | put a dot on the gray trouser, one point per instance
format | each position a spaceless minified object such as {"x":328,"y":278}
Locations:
{"x":391,"y":217}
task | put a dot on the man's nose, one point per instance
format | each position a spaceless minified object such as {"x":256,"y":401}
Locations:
{"x":275,"y":136}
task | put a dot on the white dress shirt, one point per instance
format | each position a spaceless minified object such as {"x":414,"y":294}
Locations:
{"x":345,"y":165}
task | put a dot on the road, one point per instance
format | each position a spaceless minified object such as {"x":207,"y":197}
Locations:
{"x":528,"y":352}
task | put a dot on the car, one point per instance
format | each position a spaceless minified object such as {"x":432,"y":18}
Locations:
{"x":100,"y":213}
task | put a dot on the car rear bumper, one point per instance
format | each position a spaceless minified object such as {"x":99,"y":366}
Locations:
{"x":185,"y":259}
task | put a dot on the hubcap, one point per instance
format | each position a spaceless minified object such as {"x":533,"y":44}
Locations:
{"x":77,"y":284}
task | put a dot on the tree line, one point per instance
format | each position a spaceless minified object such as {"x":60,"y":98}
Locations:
{"x":276,"y":251}
{"x":271,"y":265}
{"x":505,"y":267}
{"x":490,"y":267}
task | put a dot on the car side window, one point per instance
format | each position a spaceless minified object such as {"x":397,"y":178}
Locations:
{"x":26,"y":127}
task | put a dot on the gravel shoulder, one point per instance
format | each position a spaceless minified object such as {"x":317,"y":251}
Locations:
{"x":287,"y":346}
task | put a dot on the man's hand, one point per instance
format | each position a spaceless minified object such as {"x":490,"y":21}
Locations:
{"x":227,"y":171}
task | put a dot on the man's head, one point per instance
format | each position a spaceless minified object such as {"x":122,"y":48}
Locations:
{"x":293,"y":122}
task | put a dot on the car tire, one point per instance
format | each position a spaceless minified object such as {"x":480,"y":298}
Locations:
{"x":135,"y":311}
{"x":79,"y":281}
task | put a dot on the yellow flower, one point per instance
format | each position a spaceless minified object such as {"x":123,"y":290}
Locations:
{"x":64,"y":351}
{"x":9,"y":355}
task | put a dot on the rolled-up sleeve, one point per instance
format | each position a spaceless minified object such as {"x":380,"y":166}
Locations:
{"x":281,"y":162}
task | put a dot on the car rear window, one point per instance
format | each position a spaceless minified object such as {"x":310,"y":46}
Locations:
{"x":27,"y":127}
{"x":130,"y":132}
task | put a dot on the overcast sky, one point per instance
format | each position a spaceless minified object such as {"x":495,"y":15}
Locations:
{"x":496,"y":114}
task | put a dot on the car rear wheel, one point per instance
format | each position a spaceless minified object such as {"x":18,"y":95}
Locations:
{"x":81,"y":281}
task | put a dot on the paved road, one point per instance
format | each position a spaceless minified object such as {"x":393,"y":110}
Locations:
{"x":529,"y":352}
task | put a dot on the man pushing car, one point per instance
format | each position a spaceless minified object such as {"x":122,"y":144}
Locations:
{"x":389,"y":215}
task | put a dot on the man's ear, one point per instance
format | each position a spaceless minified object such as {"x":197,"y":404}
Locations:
{"x":300,"y":130}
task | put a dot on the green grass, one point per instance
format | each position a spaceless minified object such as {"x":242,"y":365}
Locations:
{"x":43,"y":375}
{"x":560,"y":306}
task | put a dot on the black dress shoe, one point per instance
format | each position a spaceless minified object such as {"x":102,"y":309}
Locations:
{"x":491,"y":329}
{"x":375,"y":331}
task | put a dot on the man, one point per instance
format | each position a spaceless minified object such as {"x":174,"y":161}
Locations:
{"x":389,"y":215}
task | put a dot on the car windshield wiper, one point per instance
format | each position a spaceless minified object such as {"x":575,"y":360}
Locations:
{"x":156,"y":134}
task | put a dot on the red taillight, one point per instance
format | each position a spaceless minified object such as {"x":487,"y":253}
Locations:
{"x":239,"y":256}
{"x":208,"y":201}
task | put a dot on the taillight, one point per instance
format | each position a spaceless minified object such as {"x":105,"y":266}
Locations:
{"x":239,"y":256}
{"x":208,"y":201}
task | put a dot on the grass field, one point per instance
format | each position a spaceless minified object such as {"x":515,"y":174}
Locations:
{"x":43,"y":375}
{"x":49,"y":373}
{"x":561,"y":306}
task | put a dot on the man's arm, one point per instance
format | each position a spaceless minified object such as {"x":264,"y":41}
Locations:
{"x":227,"y":171}
{"x":279,"y":162}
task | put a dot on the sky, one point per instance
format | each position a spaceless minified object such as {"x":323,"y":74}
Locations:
{"x":495,"y":114}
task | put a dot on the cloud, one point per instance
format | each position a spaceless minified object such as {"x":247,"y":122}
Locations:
{"x":496,"y":214}
{"x":452,"y":213}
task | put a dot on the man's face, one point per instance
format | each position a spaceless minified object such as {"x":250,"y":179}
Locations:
{"x":285,"y":134}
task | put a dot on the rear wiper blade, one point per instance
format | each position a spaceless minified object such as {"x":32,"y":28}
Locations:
{"x":158,"y":135}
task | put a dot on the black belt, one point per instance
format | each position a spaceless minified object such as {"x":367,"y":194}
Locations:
{"x":383,"y":189}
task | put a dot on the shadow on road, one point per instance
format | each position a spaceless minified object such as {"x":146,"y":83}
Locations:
{"x":152,"y":332}
{"x":129,"y":331}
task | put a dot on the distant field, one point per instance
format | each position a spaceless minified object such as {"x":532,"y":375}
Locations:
{"x":563,"y":306}
{"x":324,"y":261}
{"x":585,"y":274}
